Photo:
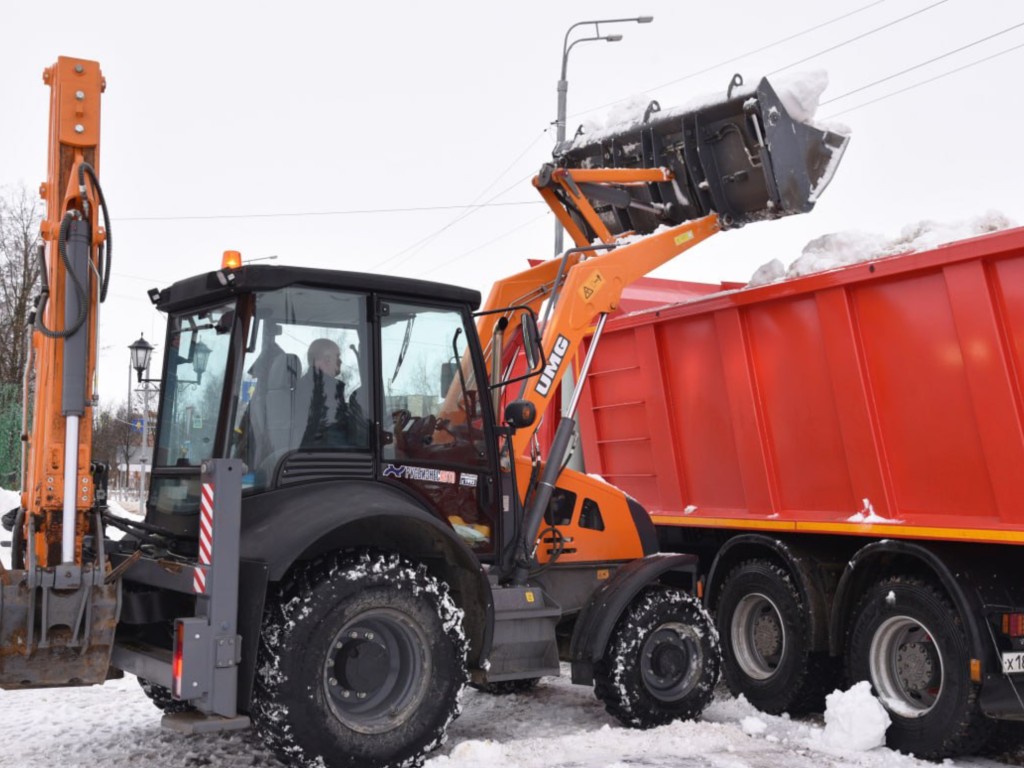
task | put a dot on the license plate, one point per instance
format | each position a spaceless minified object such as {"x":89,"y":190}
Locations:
{"x":1013,"y":662}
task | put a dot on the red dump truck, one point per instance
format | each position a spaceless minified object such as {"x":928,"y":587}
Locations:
{"x":845,"y":453}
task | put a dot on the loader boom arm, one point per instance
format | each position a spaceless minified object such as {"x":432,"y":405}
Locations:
{"x":677,"y":180}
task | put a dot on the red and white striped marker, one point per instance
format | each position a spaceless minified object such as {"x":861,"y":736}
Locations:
{"x":205,"y":539}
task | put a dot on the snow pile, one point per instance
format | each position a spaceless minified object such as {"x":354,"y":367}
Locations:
{"x":868,"y":515}
{"x":8,"y":500}
{"x":753,"y":726}
{"x":844,"y":248}
{"x":855,"y":721}
{"x":800,"y":93}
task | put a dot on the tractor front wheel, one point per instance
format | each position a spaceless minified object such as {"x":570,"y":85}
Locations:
{"x":662,"y":662}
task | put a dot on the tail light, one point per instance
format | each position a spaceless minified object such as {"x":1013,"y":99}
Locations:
{"x":176,"y":664}
{"x":1013,"y":624}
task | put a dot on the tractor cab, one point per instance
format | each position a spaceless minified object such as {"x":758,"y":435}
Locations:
{"x":312,"y":375}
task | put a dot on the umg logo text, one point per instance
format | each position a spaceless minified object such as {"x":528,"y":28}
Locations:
{"x":547,"y":376}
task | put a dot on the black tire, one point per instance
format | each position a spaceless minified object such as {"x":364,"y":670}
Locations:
{"x":909,"y":641}
{"x":162,"y":699}
{"x":507,"y":687}
{"x":765,"y":633}
{"x":662,"y":661}
{"x":361,"y":663}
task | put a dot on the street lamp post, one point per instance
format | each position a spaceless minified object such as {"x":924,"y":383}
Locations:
{"x":563,"y":83}
{"x":140,"y":352}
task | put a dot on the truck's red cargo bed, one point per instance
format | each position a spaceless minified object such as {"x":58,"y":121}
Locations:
{"x":785,"y":407}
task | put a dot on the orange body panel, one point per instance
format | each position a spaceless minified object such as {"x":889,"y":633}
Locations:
{"x":616,"y":539}
{"x":884,"y":399}
{"x":75,"y":88}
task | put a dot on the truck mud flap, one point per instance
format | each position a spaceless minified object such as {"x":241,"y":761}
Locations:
{"x":56,"y":627}
{"x":745,"y":158}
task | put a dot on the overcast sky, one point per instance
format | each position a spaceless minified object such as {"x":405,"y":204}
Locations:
{"x":228,"y":112}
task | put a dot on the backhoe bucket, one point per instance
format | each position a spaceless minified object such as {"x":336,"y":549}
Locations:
{"x":56,"y":626}
{"x":746,"y":159}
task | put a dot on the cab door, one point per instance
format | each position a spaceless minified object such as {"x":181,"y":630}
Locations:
{"x":434,"y":432}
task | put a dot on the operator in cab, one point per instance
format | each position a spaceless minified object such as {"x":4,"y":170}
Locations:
{"x":326,"y":418}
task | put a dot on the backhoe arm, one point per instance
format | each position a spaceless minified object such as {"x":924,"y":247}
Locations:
{"x":57,"y":492}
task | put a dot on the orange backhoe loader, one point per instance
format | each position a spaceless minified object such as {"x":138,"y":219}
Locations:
{"x":340,"y":531}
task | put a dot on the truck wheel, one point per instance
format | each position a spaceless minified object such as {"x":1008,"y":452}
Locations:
{"x":766,"y":652}
{"x":162,"y":699}
{"x":361,"y":663}
{"x":909,"y":642}
{"x":662,"y":661}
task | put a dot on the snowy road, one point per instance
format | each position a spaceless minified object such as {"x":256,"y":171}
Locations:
{"x":558,"y":725}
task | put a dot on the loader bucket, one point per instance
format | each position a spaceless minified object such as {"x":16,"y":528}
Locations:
{"x":745,"y":158}
{"x":54,"y":633}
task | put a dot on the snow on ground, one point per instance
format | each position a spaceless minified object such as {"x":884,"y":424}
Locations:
{"x":555,"y":725}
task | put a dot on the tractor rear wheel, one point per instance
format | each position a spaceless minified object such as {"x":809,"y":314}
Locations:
{"x":662,"y":661}
{"x":361,"y":663}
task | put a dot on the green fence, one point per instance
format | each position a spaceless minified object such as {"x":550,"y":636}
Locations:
{"x":10,"y":436}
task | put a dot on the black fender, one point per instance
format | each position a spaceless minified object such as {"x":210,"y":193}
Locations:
{"x":283,"y":527}
{"x":811,"y":582}
{"x":599,"y":614}
{"x":950,"y":564}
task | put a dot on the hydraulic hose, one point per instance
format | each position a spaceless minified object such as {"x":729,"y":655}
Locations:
{"x":106,"y":257}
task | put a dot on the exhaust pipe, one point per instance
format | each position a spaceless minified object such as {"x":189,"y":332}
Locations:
{"x":746,"y":159}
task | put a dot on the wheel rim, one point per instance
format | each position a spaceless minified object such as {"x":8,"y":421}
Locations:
{"x":906,"y":666}
{"x":377,"y":670}
{"x":758,"y":636}
{"x":671,"y":661}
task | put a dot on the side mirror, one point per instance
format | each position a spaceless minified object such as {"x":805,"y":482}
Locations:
{"x":520,"y":414}
{"x":447,"y":376}
{"x":531,"y":341}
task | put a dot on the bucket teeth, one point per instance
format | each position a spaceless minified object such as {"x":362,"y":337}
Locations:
{"x":745,"y":158}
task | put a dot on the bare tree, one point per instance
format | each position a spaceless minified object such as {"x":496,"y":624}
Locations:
{"x":20,"y":214}
{"x":113,"y":436}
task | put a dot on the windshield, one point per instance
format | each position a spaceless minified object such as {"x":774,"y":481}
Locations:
{"x":198,"y":351}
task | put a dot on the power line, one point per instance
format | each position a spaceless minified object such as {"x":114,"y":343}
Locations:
{"x":859,"y":37}
{"x":484,"y":245}
{"x":415,"y":247}
{"x":423,"y":241}
{"x":926,"y":82}
{"x":923,"y":63}
{"x":744,"y":55}
{"x":349,"y":212}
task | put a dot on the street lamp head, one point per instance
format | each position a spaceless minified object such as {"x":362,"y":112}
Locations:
{"x":140,"y":350}
{"x":200,"y":357}
{"x":613,"y":38}
{"x":644,"y":19}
